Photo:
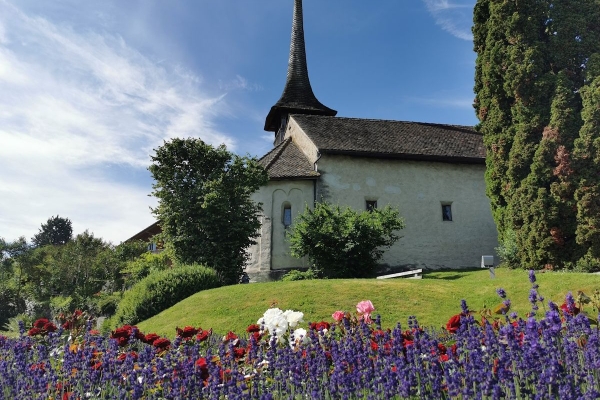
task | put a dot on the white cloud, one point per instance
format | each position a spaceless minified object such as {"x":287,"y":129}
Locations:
{"x":455,"y":17}
{"x":75,"y":106}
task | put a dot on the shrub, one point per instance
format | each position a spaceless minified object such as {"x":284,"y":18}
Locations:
{"x":342,"y":242}
{"x":61,"y":304}
{"x":296,"y":275}
{"x":161,"y":290}
{"x":144,"y":265}
{"x":106,"y":304}
{"x":508,"y":250}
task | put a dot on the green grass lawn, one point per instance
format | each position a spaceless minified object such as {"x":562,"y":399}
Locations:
{"x":433,"y":299}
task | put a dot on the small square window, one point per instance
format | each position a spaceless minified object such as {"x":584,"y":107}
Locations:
{"x":371,"y":205}
{"x":446,"y":212}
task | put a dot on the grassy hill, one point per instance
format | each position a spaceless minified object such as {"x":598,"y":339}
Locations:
{"x":433,"y":299}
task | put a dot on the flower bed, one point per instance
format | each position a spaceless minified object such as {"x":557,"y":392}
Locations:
{"x":497,"y":355}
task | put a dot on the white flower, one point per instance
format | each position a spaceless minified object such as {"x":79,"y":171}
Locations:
{"x":299,"y":336}
{"x":294,"y":317}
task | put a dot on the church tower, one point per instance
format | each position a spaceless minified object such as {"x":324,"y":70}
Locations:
{"x":297,"y":97}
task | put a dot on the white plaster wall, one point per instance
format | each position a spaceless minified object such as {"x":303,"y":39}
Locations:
{"x":294,"y":131}
{"x":271,"y":252}
{"x":418,"y":189}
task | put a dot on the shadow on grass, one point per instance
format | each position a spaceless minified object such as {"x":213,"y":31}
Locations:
{"x":449,"y":274}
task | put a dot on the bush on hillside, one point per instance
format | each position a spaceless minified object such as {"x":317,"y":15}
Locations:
{"x":342,"y":242}
{"x":144,"y":265}
{"x":297,"y":275}
{"x":161,"y":290}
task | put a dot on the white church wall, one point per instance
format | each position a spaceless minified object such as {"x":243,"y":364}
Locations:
{"x":271,"y":252}
{"x":418,"y":189}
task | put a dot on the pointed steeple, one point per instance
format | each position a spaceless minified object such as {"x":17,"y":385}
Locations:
{"x":297,"y":97}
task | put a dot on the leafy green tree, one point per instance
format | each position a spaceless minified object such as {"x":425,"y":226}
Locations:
{"x":56,"y":231}
{"x":11,"y":278}
{"x":532,"y":61}
{"x":204,"y":204}
{"x":344,"y":243}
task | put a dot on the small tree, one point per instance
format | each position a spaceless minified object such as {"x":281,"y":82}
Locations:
{"x":204,"y":204}
{"x":56,"y":231}
{"x":344,"y":243}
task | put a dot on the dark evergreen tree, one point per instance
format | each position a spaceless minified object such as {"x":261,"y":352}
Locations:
{"x":586,"y":164}
{"x":55,"y":231}
{"x":532,"y":63}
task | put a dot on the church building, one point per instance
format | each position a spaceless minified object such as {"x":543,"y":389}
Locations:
{"x":432,"y":173}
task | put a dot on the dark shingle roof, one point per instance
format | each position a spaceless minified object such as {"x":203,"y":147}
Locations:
{"x":393,"y":139}
{"x":287,"y":161}
{"x":298,"y":96}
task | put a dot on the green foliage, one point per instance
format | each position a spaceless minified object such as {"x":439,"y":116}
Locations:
{"x":161,"y":290}
{"x":508,"y":249}
{"x":297,"y":275}
{"x":144,"y":265}
{"x":12,"y":325}
{"x":204,"y":204}
{"x":61,"y":304}
{"x":343,"y":243}
{"x":55,"y":231}
{"x":534,"y":62}
{"x":106,"y":303}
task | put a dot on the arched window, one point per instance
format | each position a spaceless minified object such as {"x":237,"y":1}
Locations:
{"x":287,"y":215}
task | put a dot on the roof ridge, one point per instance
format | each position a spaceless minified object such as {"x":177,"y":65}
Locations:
{"x":472,"y":128}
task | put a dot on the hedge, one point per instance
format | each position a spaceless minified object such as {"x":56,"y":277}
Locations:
{"x":161,"y":290}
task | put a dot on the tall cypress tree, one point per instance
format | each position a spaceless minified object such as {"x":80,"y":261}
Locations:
{"x":586,"y":163}
{"x":492,"y":101}
{"x":531,"y":65}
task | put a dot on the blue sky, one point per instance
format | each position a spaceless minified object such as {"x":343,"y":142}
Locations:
{"x":89,"y":88}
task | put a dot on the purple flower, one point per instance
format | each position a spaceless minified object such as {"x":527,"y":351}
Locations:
{"x":531,"y":276}
{"x":501,"y":292}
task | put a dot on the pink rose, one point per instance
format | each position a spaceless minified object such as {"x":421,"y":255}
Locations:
{"x":338,"y":315}
{"x":365,"y":307}
{"x":367,"y":318}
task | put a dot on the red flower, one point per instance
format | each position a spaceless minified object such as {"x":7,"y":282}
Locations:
{"x":202,"y":365}
{"x":38,"y":367}
{"x":40,"y":323}
{"x":442,"y":349}
{"x":565,"y":309}
{"x":34,"y":332}
{"x":49,"y":327}
{"x":162,"y":344}
{"x":453,"y":323}
{"x":123,"y":356}
{"x":239,"y":352}
{"x":319,"y":326}
{"x":230,"y":336}
{"x":188,"y":332}
{"x":374,"y":345}
{"x":253,"y":328}
{"x":97,"y":366}
{"x":150,"y":338}
{"x":378,"y":334}
{"x":202,"y":336}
